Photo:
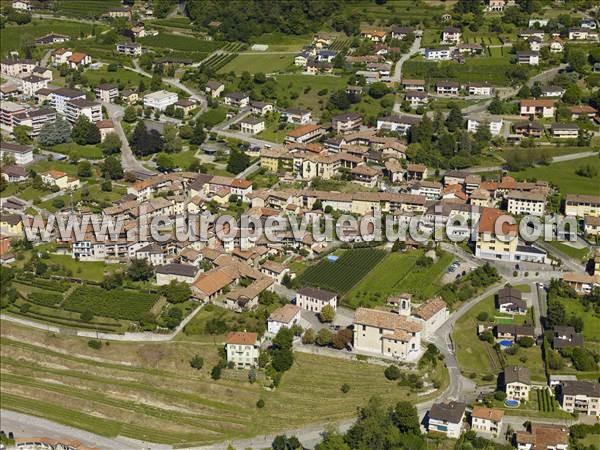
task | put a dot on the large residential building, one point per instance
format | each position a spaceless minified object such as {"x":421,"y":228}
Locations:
{"x":23,"y":154}
{"x":35,"y":119}
{"x":242,"y":349}
{"x":495,"y":244}
{"x":130,"y":49}
{"x":346,"y":122}
{"x":487,"y":420}
{"x":447,"y":418}
{"x":106,"y":92}
{"x":516,"y":381}
{"x":314,"y":299}
{"x":8,"y":110}
{"x":385,"y":333}
{"x":581,"y":397}
{"x":522,"y":202}
{"x":305,"y":133}
{"x":159,"y":100}
{"x":582,"y":205}
{"x":33,"y":83}
{"x":59,"y":98}
{"x":78,"y":107}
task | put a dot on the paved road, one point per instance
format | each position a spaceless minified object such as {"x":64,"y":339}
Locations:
{"x":397,"y":75}
{"x":555,"y":159}
{"x":128,"y":159}
{"x":26,"y":425}
{"x":536,"y":304}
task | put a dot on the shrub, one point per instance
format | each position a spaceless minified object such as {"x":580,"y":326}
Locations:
{"x":488,"y":377}
{"x":345,"y":388}
{"x":327,"y":314}
{"x":500,"y":395}
{"x":526,"y":342}
{"x":323,"y":337}
{"x":215,"y":373}
{"x":95,"y":344}
{"x":197,"y":362}
{"x":252,"y":376}
{"x":87,"y":315}
{"x":483,"y":316}
{"x":260,"y":403}
{"x":392,"y":372}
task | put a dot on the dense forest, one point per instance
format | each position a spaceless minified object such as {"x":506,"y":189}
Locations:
{"x":243,"y":19}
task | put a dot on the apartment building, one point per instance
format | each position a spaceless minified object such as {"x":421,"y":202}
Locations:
{"x":159,"y":100}
{"x":523,"y":202}
{"x":35,"y":119}
{"x":398,"y":124}
{"x":581,"y":397}
{"x":59,"y":98}
{"x":346,"y":122}
{"x":76,"y":108}
{"x":106,"y":92}
{"x":580,"y":205}
{"x":23,"y":154}
{"x":129,"y":49}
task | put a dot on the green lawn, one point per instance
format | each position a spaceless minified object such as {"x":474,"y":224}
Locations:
{"x":156,"y":396}
{"x":180,"y":43}
{"x":122,"y":77}
{"x":76,"y":151}
{"x":562,"y":174}
{"x":283,"y":42}
{"x":12,"y":35}
{"x":575,"y":253}
{"x":273,"y":132}
{"x":86,"y":270}
{"x":90,"y":194}
{"x":45,"y":165}
{"x":213,"y":117}
{"x":591,"y":318}
{"x":308,"y":91}
{"x":397,"y":274}
{"x":258,"y":62}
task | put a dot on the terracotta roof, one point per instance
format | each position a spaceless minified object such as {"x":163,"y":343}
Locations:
{"x":241,"y":338}
{"x":212,"y":282}
{"x":538,"y":102}
{"x":284,"y":314}
{"x":487,"y":413}
{"x":55,"y":174}
{"x":431,"y":307}
{"x":107,"y":123}
{"x":77,"y":57}
{"x":543,"y":436}
{"x":273,"y":266}
{"x":487,"y":222}
{"x":304,"y":129}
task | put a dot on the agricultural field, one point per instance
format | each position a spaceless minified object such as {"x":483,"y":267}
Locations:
{"x":117,"y":304}
{"x":86,"y":270}
{"x":341,"y":275}
{"x":396,"y":274}
{"x":562,"y":175}
{"x":381,"y":14}
{"x":13,"y":35}
{"x":83,"y":8}
{"x":218,"y":60}
{"x":156,"y":396}
{"x":258,"y":62}
{"x":184,"y":46}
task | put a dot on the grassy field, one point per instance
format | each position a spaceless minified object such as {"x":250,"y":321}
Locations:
{"x":259,"y":62}
{"x":302,"y":91}
{"x":86,"y":270}
{"x":279,"y":42}
{"x":76,"y":151}
{"x":180,"y":43}
{"x":397,"y":274}
{"x":479,"y":357}
{"x":149,"y":391}
{"x":591,"y":318}
{"x":562,"y":174}
{"x":575,"y":253}
{"x":213,"y":116}
{"x":339,"y":276}
{"x":84,"y":8}
{"x":122,"y":77}
{"x":90,"y":195}
{"x":12,"y":35}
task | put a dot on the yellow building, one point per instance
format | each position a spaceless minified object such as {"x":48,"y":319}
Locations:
{"x":582,"y":205}
{"x":11,"y":224}
{"x":489,"y":244}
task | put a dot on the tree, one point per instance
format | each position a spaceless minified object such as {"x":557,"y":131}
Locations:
{"x":524,"y":92}
{"x":140,"y":270}
{"x":111,"y":168}
{"x":130,"y":114}
{"x":80,"y":131}
{"x":54,"y":133}
{"x":526,"y":341}
{"x":111,"y":144}
{"x":21,"y":133}
{"x":87,"y":315}
{"x":144,"y":142}
{"x":215,"y":373}
{"x":454,"y":119}
{"x":556,"y":313}
{"x":238,"y":162}
{"x":572,"y":95}
{"x":176,"y":291}
{"x":112,"y":280}
{"x":309,"y":337}
{"x":199,"y":135}
{"x":197,"y":362}
{"x":282,"y":357}
{"x":392,"y":372}
{"x":374,"y":429}
{"x":406,"y":418}
{"x":577,"y":59}
{"x":341,"y":339}
{"x":323,"y":337}
{"x":378,"y":90}
{"x":332,"y":440}
{"x":93,"y":134}
{"x":164,"y":162}
{"x":172,"y":141}
{"x":339,"y":100}
{"x":84,"y":169}
{"x":327,"y":314}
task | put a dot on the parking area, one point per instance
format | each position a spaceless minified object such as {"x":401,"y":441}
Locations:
{"x":343,"y":319}
{"x":456,"y":269}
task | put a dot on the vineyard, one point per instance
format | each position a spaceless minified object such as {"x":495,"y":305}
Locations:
{"x":118,"y":303}
{"x":341,"y":275}
{"x":341,"y":44}
{"x":546,"y":403}
{"x":215,"y":62}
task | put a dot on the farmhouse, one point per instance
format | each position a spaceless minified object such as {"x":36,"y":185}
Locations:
{"x":516,"y":381}
{"x":184,"y":273}
{"x":314,"y":299}
{"x":284,"y":317}
{"x":242,"y":349}
{"x":447,"y":418}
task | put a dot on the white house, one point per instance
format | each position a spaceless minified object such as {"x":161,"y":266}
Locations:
{"x":60,"y":97}
{"x":21,"y":5}
{"x":80,"y":106}
{"x":530,"y":58}
{"x":480,"y":89}
{"x":160,"y":99}
{"x":23,"y":154}
{"x":152,"y":253}
{"x":286,"y":317}
{"x":237,"y":99}
{"x":431,"y":314}
{"x":399,"y":124}
{"x":242,"y":349}
{"x":184,"y":273}
{"x":438,"y":54}
{"x":495,"y":124}
{"x":451,"y":35}
{"x":297,"y":116}
{"x":516,"y":382}
{"x":447,"y":418}
{"x":525,"y":202}
{"x":314,"y":299}
{"x":130,"y":49}
{"x":252,"y":125}
{"x":487,"y":420}
{"x":214,"y":88}
{"x":32,"y":83}
{"x":106,"y":92}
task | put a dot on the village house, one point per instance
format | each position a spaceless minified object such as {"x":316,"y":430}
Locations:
{"x":447,"y":418}
{"x":366,"y":175}
{"x":564,"y":130}
{"x":153,"y":253}
{"x":274,"y":270}
{"x":582,"y":112}
{"x":52,"y":38}
{"x":557,"y":45}
{"x":566,"y":337}
{"x":531,"y":129}
{"x":451,"y":35}
{"x":543,"y":436}
{"x":106,"y":127}
{"x":398,"y":124}
{"x":552,"y":91}
{"x":431,"y":314}
{"x":242,"y":349}
{"x":129,"y":96}
{"x":581,"y":397}
{"x":416,"y":172}
{"x":296,"y":116}
{"x":413,"y":85}
{"x":591,"y":226}
{"x":495,"y":123}
{"x":252,"y":125}
{"x":78,"y":59}
{"x":438,"y":54}
{"x":385,"y":333}
{"x":516,"y":382}
{"x":185,"y":105}
{"x":430,"y":189}
{"x":11,"y":224}
{"x":13,"y":173}
{"x":21,"y":5}
{"x":528,"y":57}
{"x":236,"y":99}
{"x":447,"y":87}
{"x":582,"y":283}
{"x":33,"y":83}
{"x":304,"y":134}
{"x":59,"y":179}
{"x":107,"y":92}
{"x":129,"y":49}
{"x":487,"y":420}
{"x":261,"y":108}
{"x":416,"y":98}
{"x":214,"y":88}
{"x":314,"y":299}
{"x":538,"y":108}
{"x":483,"y":89}
{"x":17,"y":67}
{"x":489,"y":245}
{"x":511,"y":332}
{"x":510,"y":301}
{"x":523,"y":202}
{"x":285,"y":317}
{"x":399,"y":32}
{"x":373,"y":34}
{"x":184,"y":273}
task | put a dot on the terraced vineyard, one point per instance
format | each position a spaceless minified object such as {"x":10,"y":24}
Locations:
{"x":217,"y":61}
{"x":84,"y":8}
{"x":149,"y":391}
{"x":341,"y":44}
{"x":341,"y":275}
